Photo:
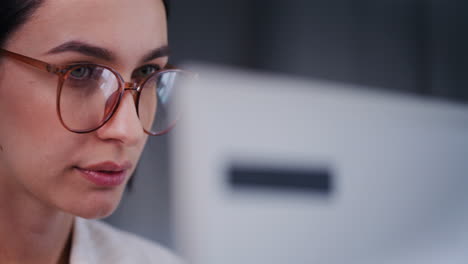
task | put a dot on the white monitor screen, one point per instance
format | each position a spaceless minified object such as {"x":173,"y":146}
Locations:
{"x":270,"y":169}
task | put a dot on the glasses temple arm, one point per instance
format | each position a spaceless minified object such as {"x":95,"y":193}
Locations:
{"x":43,"y":66}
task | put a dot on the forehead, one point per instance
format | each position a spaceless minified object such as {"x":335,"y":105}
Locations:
{"x":127,"y":27}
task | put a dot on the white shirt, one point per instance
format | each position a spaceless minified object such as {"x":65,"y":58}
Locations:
{"x":97,"y":242}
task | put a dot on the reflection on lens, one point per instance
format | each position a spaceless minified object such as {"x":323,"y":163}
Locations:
{"x":88,"y":96}
{"x":157,"y":96}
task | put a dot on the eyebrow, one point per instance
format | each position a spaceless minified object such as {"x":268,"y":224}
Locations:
{"x":157,"y":53}
{"x":103,"y":53}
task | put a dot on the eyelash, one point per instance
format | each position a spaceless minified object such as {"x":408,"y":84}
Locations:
{"x":155,"y":66}
{"x":134,"y":73}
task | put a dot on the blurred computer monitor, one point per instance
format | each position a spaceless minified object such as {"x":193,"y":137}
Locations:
{"x":278,"y":170}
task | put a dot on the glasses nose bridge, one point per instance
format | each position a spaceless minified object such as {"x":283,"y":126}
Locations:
{"x":131,"y":86}
{"x":134,"y":89}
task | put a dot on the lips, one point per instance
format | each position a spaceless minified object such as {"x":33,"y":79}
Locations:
{"x":106,"y":174}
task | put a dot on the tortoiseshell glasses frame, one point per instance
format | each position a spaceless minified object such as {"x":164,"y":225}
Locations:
{"x":63,"y":72}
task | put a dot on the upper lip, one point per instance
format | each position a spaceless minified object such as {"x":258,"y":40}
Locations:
{"x":108,"y":166}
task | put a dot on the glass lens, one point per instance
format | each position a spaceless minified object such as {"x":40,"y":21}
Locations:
{"x":88,"y":97}
{"x":158,"y":95}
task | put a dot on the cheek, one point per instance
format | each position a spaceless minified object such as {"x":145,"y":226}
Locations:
{"x":30,"y":132}
{"x":37,"y":150}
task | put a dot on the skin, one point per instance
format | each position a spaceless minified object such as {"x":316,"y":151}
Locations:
{"x":40,"y":191}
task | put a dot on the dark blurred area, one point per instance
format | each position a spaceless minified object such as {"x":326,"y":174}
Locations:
{"x":410,"y":46}
{"x":414,"y":46}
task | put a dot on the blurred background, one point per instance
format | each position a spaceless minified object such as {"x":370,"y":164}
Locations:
{"x":408,"y":46}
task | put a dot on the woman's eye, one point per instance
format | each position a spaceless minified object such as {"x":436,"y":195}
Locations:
{"x":146,"y":70}
{"x":81,"y":73}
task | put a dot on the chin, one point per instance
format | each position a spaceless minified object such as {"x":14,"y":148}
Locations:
{"x":97,"y":205}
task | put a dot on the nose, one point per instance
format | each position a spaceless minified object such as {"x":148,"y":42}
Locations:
{"x":124,"y":126}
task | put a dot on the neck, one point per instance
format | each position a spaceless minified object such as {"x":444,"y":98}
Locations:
{"x":31,"y":232}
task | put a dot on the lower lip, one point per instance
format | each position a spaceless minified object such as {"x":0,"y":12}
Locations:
{"x":104,"y":179}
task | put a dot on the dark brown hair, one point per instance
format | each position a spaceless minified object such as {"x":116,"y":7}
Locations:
{"x":14,"y":13}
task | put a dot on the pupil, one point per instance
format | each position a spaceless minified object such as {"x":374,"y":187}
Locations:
{"x":147,"y":70}
{"x":80,"y":72}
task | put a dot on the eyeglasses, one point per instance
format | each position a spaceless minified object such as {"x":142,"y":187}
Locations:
{"x":88,"y":94}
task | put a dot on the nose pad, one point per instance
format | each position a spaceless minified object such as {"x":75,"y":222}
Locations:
{"x":134,"y":93}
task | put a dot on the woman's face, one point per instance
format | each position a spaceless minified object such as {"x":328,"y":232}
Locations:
{"x":42,"y":161}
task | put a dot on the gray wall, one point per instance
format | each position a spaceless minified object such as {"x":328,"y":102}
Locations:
{"x":407,"y":45}
{"x":414,"y":46}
